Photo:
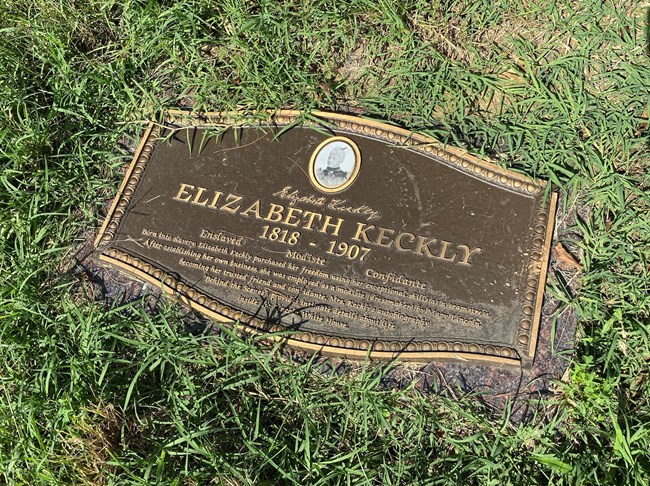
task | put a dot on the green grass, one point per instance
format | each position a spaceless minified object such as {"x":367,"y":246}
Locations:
{"x":91,"y":394}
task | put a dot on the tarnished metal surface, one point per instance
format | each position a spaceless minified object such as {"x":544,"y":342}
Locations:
{"x":364,"y":238}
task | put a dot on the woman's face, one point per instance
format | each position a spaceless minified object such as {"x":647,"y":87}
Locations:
{"x":336,"y":157}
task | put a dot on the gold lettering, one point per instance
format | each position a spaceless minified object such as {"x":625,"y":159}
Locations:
{"x":398,"y":241}
{"x":215,"y":199}
{"x":311,"y":217}
{"x":371,"y":273}
{"x":230,"y":200}
{"x":198,"y":196}
{"x":181,"y":192}
{"x":423,"y":246}
{"x":275,"y":213}
{"x":290,"y":215}
{"x":443,"y":252}
{"x":468,"y":254}
{"x":381,"y":236}
{"x":337,"y":226}
{"x":360,"y":234}
{"x":255,"y":208}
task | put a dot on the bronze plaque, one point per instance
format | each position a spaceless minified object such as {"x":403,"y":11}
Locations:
{"x":364,"y":238}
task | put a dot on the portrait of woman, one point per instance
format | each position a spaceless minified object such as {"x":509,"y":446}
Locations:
{"x":335,"y":164}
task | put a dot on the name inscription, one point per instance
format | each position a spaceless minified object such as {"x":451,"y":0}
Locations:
{"x":359,"y":245}
{"x":295,"y":217}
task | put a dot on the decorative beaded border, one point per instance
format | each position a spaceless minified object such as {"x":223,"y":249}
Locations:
{"x":453,"y":156}
{"x":336,"y":345}
{"x":128,"y":186}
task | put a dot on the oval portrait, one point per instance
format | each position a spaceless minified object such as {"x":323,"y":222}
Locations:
{"x":334,"y":165}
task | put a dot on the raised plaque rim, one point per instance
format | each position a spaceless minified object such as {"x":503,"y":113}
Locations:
{"x":528,"y":330}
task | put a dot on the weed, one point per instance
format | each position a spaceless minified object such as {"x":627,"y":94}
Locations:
{"x":556,"y":89}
